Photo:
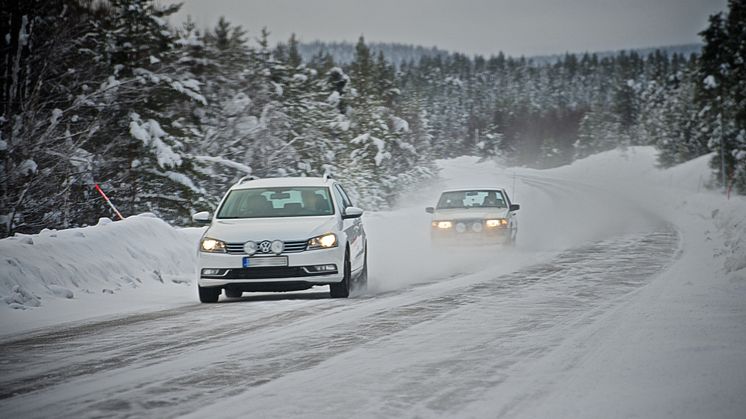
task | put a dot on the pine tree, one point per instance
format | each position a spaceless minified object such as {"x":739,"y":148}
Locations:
{"x":294,"y":58}
{"x":720,"y":92}
{"x":50,"y":112}
{"x":596,"y":134}
{"x":670,"y":120}
{"x":736,"y":29}
{"x":146,"y":163}
{"x":491,"y":143}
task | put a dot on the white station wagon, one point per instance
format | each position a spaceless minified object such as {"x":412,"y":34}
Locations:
{"x":282,"y":234}
{"x":481,"y":215}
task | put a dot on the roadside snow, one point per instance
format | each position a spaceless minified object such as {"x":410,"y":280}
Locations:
{"x":111,"y":268}
{"x":675,"y":349}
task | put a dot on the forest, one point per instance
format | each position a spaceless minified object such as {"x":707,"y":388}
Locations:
{"x":165,"y":117}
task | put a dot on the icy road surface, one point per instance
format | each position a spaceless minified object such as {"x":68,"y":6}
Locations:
{"x":430,"y":348}
{"x":441,"y":332}
{"x":623,"y":298}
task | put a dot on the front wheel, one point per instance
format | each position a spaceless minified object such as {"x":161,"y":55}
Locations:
{"x":208,"y":294}
{"x":362,"y":280}
{"x":342,"y":289}
{"x":513,"y":237}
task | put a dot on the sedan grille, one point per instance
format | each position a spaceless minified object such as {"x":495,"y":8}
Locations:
{"x":272,"y":273}
{"x":292,"y":246}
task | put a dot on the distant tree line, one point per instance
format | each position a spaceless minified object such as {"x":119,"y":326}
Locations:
{"x":165,"y":117}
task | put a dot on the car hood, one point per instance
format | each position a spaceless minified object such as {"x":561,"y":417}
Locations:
{"x":282,"y":228}
{"x":470,"y":213}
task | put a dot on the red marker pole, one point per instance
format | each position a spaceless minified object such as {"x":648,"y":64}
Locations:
{"x":98,"y":188}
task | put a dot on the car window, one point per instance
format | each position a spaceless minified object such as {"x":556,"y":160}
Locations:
{"x":345,"y":198}
{"x":472,"y":199}
{"x":340,"y":199}
{"x":277,"y":202}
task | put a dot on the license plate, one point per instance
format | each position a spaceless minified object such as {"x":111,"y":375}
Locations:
{"x":259,"y":262}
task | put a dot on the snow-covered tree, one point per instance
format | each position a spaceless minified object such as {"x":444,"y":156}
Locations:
{"x":143,"y":152}
{"x":720,"y":92}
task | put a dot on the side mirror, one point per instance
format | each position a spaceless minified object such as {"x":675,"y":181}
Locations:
{"x":352,"y":212}
{"x":515,"y":207}
{"x":202,"y":217}
{"x":430,"y":210}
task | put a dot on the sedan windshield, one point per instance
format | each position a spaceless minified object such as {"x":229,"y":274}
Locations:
{"x":277,"y":202}
{"x":471,"y":199}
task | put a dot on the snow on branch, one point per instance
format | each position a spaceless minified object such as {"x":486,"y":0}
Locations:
{"x":225,"y":162}
{"x":150,"y":133}
{"x":380,"y":145}
{"x":189,"y":87}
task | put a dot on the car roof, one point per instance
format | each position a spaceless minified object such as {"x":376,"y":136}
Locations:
{"x":283,"y":182}
{"x":489,"y":188}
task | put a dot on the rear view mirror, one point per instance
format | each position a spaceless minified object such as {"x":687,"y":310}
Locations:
{"x":430,"y":210}
{"x":352,"y":212}
{"x":277,"y":196}
{"x":202,"y":217}
{"x":515,"y":207}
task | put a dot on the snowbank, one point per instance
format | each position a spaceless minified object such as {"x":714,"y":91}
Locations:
{"x":89,"y":266}
{"x":713,"y":224}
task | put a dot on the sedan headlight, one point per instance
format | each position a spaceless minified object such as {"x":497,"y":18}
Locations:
{"x":442,"y":224}
{"x":498,"y":222}
{"x":325,"y":241}
{"x":212,"y":246}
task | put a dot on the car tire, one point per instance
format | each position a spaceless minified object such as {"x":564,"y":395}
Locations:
{"x":233,"y":293}
{"x":362,"y":279}
{"x":208,"y":294}
{"x":342,"y":289}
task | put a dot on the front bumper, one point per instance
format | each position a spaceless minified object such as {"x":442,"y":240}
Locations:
{"x":299,"y":270}
{"x":486,"y":236}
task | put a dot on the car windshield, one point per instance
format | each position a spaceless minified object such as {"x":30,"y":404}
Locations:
{"x":277,"y":202}
{"x":472,"y":199}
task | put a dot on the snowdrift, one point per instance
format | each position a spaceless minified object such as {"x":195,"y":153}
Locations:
{"x":140,"y":252}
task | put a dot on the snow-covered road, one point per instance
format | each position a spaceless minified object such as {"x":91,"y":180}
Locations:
{"x":431,"y":348}
{"x":454,"y":332}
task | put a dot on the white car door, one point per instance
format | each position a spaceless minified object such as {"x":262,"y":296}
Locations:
{"x":353,"y":228}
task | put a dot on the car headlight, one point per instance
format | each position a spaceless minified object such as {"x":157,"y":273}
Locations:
{"x":325,"y":241}
{"x":211,"y":245}
{"x":498,"y":222}
{"x":442,"y":224}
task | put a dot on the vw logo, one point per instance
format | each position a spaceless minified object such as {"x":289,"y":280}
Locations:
{"x":265,"y":246}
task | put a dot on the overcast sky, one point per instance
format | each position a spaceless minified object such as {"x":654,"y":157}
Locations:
{"x":517,"y":27}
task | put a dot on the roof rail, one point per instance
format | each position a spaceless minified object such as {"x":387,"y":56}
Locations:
{"x":248,"y":178}
{"x":327,"y":176}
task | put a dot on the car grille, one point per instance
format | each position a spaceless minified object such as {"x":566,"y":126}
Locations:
{"x":292,"y":246}
{"x":469,"y":220}
{"x":270,"y":272}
